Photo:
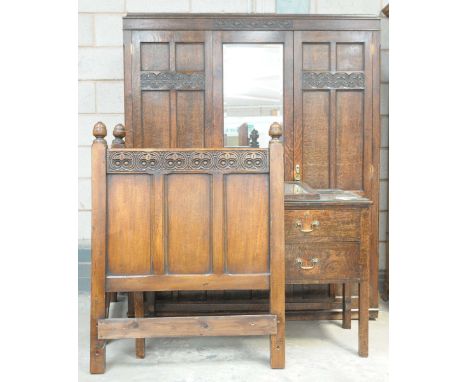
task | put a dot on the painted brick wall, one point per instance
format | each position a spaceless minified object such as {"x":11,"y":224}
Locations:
{"x":100,"y":83}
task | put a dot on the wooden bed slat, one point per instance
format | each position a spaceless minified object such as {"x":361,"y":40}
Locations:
{"x":163,"y":283}
{"x":243,"y":325}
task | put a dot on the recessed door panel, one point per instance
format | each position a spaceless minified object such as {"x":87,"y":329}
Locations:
{"x":128,"y":229}
{"x":246,"y":223}
{"x":188,"y":222}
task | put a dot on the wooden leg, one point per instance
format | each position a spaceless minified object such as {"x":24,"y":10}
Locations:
{"x":131,"y":306}
{"x":346,"y":306}
{"x":108,"y":301}
{"x":113,"y":296}
{"x":150,"y":298}
{"x":139,"y":313}
{"x":97,"y":357}
{"x":277,"y":347}
{"x":364,"y":318}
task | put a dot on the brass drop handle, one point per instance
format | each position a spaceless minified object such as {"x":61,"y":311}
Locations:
{"x":313,"y":225}
{"x":313,"y":261}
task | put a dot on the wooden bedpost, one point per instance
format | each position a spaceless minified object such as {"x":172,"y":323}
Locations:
{"x":117,"y":143}
{"x":119,"y":135}
{"x":98,"y":247}
{"x":277,"y":277}
{"x":134,"y":299}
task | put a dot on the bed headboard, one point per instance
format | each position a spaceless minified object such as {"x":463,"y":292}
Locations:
{"x":186,"y":219}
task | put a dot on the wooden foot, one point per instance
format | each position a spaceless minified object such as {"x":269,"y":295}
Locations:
{"x":364,"y":319}
{"x":346,"y":306}
{"x":277,"y":348}
{"x":139,"y":313}
{"x":97,"y":354}
{"x":277,"y":352}
{"x":97,"y":364}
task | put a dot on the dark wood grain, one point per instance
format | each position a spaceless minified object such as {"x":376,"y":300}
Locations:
{"x":315,"y":139}
{"x":322,"y":262}
{"x":364,"y":286}
{"x":374,"y":170}
{"x":349,"y":140}
{"x":304,"y":226}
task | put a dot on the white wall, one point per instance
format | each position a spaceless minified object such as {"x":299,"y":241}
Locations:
{"x":100,"y":78}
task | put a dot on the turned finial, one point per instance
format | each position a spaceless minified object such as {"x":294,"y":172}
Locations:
{"x":99,"y":131}
{"x":119,"y":135}
{"x":276,"y":131}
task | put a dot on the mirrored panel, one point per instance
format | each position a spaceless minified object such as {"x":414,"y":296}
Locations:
{"x":253,"y":92}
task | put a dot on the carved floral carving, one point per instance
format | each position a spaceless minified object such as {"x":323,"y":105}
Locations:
{"x":253,"y":24}
{"x":331,"y":80}
{"x":187,"y":161}
{"x":172,"y":80}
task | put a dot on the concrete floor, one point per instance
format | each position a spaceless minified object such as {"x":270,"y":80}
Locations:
{"x":318,"y":351}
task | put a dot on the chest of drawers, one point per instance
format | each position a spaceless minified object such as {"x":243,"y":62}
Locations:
{"x":327,"y":242}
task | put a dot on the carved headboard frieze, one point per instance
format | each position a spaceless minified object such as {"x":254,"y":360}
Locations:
{"x":219,"y":161}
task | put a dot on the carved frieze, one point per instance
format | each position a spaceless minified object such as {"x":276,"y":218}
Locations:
{"x":172,"y":80}
{"x":332,"y":80}
{"x":253,"y":24}
{"x":223,"y":161}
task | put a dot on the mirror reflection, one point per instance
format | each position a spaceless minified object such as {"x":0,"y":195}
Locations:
{"x":253,"y":92}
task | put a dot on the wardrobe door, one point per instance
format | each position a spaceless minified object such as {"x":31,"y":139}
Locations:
{"x":333,"y":109}
{"x":168,"y":88}
{"x":336,"y":116}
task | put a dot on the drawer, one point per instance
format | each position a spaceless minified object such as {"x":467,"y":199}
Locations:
{"x":300,"y":225}
{"x":319,"y":262}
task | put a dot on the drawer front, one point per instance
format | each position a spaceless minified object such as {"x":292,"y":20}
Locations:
{"x":318,"y":262}
{"x":301,"y":225}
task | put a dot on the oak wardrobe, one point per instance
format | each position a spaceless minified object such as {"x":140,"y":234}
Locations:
{"x":191,"y":79}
